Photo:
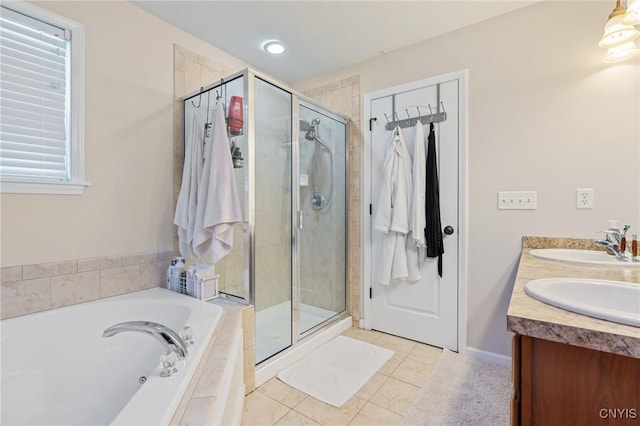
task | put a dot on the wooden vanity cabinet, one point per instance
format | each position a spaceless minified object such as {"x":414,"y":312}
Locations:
{"x":560,"y":384}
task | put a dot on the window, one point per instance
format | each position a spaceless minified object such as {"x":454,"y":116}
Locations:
{"x":41,"y":102}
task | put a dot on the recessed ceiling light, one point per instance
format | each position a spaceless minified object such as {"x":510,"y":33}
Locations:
{"x":274,"y":47}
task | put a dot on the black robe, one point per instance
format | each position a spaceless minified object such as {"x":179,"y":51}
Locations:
{"x":433,"y":229}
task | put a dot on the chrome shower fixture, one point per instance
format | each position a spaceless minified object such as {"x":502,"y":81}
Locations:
{"x":321,"y":197}
{"x":312,"y":134}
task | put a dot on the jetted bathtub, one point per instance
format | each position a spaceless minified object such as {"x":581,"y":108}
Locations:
{"x":57,"y":369}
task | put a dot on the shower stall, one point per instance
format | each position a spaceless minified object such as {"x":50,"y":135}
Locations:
{"x":289,"y":257}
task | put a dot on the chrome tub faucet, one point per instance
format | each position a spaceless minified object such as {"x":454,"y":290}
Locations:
{"x":174,"y":345}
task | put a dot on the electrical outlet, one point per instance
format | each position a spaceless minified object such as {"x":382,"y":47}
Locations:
{"x":584,"y":198}
{"x":517,"y":200}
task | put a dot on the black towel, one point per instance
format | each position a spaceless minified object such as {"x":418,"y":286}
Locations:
{"x":433,"y":229}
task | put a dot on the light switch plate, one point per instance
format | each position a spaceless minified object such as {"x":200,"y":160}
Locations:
{"x":517,"y":200}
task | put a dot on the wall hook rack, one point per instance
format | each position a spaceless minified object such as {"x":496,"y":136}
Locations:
{"x":437,"y":117}
{"x":411,"y":121}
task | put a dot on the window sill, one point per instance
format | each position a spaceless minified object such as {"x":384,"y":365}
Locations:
{"x":53,"y":188}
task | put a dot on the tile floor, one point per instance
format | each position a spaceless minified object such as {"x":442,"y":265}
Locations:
{"x":383,"y":400}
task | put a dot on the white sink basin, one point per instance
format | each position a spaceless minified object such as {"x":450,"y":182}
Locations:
{"x":609,"y":300}
{"x":592,"y":257}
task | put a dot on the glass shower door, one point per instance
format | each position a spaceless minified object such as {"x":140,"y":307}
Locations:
{"x":272,"y":231}
{"x":322,"y":236}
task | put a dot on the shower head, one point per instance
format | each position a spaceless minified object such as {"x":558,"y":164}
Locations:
{"x":312,"y":134}
{"x":310,"y":129}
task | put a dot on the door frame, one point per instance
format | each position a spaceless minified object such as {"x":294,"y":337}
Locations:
{"x":366,"y":217}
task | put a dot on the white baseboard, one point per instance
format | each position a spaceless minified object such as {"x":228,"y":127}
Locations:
{"x":489,"y":356}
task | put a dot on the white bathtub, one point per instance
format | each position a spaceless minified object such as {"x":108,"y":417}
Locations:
{"x":57,"y":369}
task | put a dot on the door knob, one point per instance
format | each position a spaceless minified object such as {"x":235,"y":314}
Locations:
{"x":448,"y":230}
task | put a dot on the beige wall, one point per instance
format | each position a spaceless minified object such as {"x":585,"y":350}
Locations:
{"x":545,"y":114}
{"x":128,"y":144}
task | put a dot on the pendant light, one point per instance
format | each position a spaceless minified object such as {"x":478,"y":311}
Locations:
{"x":615,"y":32}
{"x":621,"y":53}
{"x":633,"y":13}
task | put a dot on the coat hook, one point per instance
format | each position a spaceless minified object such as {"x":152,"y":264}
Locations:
{"x":408,"y":115}
{"x":386,"y":118}
{"x":431,"y":111}
{"x":396,"y":116}
{"x":443,"y":110}
{"x":199,"y":99}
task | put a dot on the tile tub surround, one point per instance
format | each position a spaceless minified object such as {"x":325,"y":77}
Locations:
{"x":199,"y":399}
{"x":530,"y":317}
{"x":29,"y":289}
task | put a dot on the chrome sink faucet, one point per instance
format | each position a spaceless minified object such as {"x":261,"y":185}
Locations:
{"x":174,"y":345}
{"x":614,"y":248}
{"x":613,"y":236}
{"x":615,"y":242}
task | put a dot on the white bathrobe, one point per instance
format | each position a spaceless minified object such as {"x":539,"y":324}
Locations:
{"x":218,"y":206}
{"x":392,"y":212}
{"x":185,"y":214}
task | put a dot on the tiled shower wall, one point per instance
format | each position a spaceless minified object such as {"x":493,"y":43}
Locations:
{"x":323,"y":236}
{"x":344,"y":97}
{"x":191,"y":72}
{"x":34,"y":288}
{"x":272,"y":195}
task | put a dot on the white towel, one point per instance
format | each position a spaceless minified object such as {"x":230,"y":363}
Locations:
{"x":185,"y":214}
{"x":417,"y":244}
{"x":218,"y":206}
{"x":418,"y":213}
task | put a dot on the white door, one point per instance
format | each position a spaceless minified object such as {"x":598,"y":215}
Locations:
{"x":427,"y":310}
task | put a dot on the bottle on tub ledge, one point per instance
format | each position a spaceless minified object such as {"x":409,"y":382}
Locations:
{"x":177,"y":275}
{"x":634,"y":248}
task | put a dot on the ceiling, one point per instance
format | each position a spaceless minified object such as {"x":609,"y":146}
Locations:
{"x":320,"y":35}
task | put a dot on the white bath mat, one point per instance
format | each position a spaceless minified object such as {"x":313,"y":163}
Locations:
{"x":335,"y":371}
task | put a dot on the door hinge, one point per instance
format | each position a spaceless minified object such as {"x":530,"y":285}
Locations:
{"x":370,"y":209}
{"x":370,"y":292}
{"x":371,"y":120}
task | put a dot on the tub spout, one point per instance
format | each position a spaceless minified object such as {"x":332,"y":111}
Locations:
{"x":169,"y":339}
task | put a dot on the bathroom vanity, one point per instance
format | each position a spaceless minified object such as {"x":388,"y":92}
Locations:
{"x":569,"y":368}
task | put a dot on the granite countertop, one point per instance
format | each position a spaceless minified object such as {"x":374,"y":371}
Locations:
{"x":530,"y":317}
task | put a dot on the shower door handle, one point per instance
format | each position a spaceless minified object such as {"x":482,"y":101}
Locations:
{"x":300,"y":219}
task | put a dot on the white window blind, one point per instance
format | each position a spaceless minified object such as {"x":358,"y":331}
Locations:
{"x":34,"y":99}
